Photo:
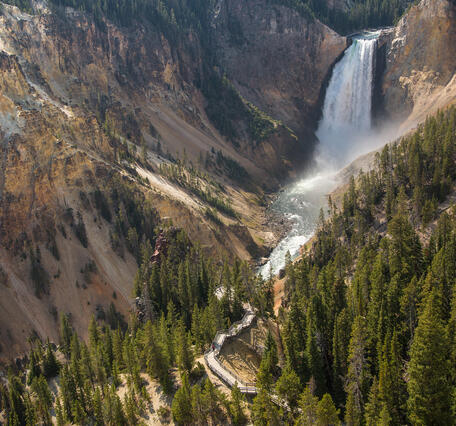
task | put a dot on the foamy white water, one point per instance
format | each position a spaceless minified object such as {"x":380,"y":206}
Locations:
{"x":343,"y":130}
{"x":347,"y":112}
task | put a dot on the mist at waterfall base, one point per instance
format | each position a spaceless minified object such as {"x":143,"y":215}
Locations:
{"x":344,"y":133}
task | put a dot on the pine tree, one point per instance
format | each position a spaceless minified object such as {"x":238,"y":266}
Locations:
{"x":270,"y":349}
{"x":131,"y":408}
{"x":391,"y":386}
{"x":97,"y":408}
{"x":341,"y":341}
{"x":308,"y":404}
{"x":198,"y":410}
{"x":197,"y":331}
{"x":78,"y":413}
{"x":65,"y":335}
{"x":288,"y":386}
{"x":327,"y":414}
{"x":184,"y":349}
{"x":451,"y":336}
{"x":182,"y":403}
{"x":117,"y":411}
{"x":75,"y":348}
{"x":43,"y":395}
{"x":238,"y":416}
{"x":405,"y":248}
{"x":264,"y":412}
{"x":313,"y":356}
{"x":30,"y":412}
{"x":428,"y":386}
{"x":373,"y":407}
{"x":33,"y":367}
{"x":379,"y":279}
{"x":409,"y":306}
{"x":93,"y":334}
{"x":60,"y":418}
{"x":358,"y":374}
{"x":50,"y":364}
{"x":211,"y":400}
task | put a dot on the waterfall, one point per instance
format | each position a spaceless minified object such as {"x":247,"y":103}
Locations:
{"x":343,"y":132}
{"x":346,"y":118}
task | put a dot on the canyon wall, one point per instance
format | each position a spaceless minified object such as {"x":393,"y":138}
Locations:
{"x":101,"y":124}
{"x":420,"y":66}
{"x":277,"y":59}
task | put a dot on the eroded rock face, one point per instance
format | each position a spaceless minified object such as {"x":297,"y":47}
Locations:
{"x":277,"y":59}
{"x":76,"y":97}
{"x":421,"y":62}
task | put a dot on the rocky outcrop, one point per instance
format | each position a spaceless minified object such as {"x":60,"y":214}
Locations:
{"x":277,"y":59}
{"x":420,"y":64}
{"x":85,"y":106}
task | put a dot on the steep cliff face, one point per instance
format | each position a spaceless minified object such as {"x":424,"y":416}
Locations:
{"x":421,"y":63}
{"x":100,"y":125}
{"x":277,"y":59}
{"x":76,"y":104}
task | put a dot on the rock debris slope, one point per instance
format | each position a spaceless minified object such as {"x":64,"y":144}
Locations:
{"x":91,"y":112}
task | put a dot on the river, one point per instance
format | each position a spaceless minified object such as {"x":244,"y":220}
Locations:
{"x":344,"y":132}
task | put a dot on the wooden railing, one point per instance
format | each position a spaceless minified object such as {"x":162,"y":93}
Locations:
{"x":229,"y":377}
{"x":210,"y":356}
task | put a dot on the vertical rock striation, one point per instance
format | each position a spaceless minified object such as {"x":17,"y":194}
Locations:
{"x":277,"y":59}
{"x":420,"y":63}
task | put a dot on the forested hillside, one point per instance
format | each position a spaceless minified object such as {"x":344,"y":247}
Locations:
{"x":368,"y":320}
{"x":368,"y":330}
{"x":371,"y":310}
{"x":169,"y":16}
{"x":175,"y":18}
{"x":176,"y":318}
{"x":355,"y":15}
{"x":139,"y":101}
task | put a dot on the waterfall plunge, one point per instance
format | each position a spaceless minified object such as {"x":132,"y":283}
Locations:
{"x":343,"y":133}
{"x":346,"y":119}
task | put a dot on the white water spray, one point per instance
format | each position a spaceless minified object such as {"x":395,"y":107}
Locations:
{"x":346,"y":120}
{"x":343,"y":133}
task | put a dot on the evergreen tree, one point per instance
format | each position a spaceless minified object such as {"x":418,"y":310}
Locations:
{"x":313,"y":356}
{"x":93,"y":334}
{"x":50,"y":364}
{"x":238,"y":416}
{"x":97,"y":408}
{"x":391,"y":387}
{"x":34,"y":367}
{"x":373,"y":406}
{"x":341,"y":341}
{"x":428,"y":386}
{"x":60,"y":418}
{"x":43,"y":396}
{"x":118,"y":415}
{"x":308,"y":404}
{"x":358,"y":374}
{"x":65,"y":335}
{"x":182,"y":403}
{"x":266,"y":371}
{"x":17,"y":409}
{"x":30,"y":412}
{"x":211,"y":399}
{"x":264,"y":411}
{"x":288,"y":386}
{"x":327,"y":414}
{"x":198,"y":409}
{"x":184,"y":349}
